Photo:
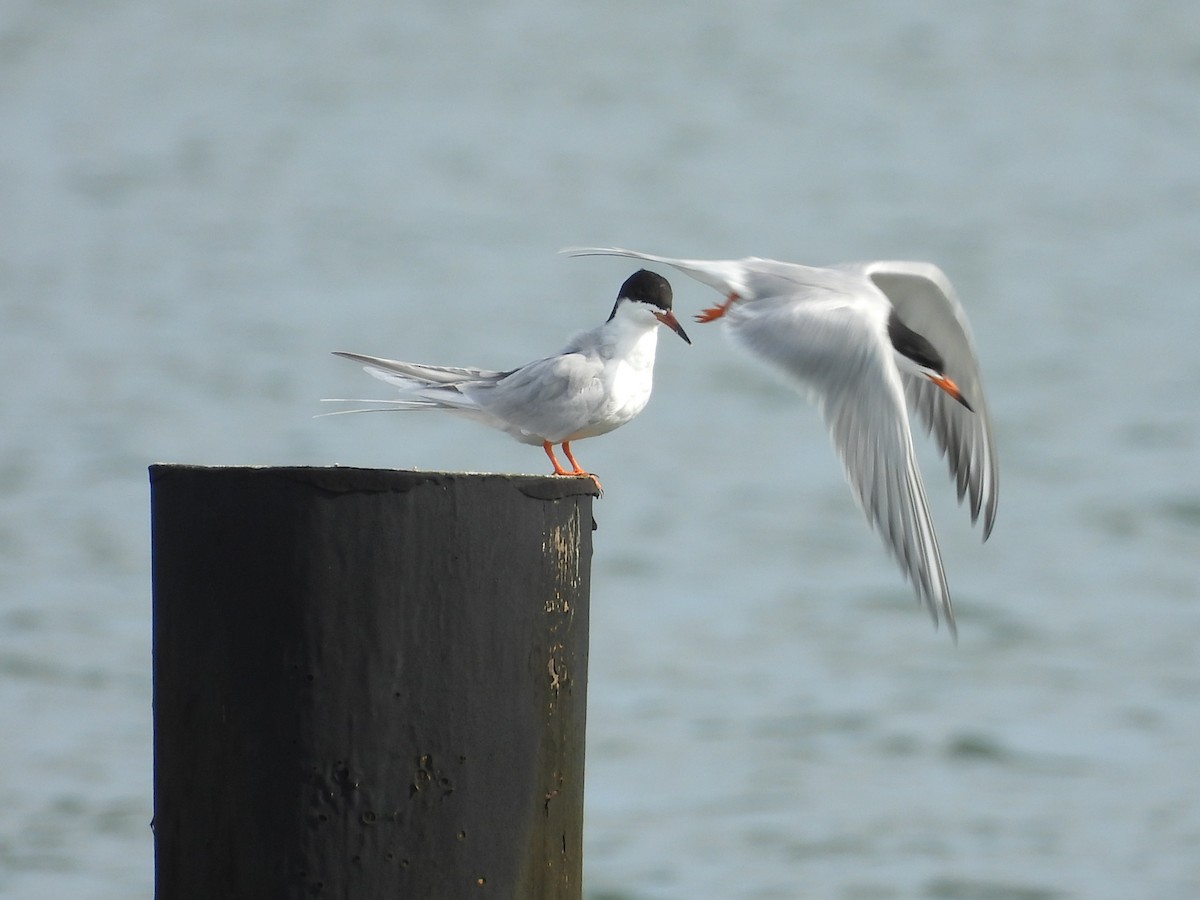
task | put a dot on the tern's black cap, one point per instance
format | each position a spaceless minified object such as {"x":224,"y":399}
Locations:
{"x":648,"y":287}
{"x":644,"y":286}
{"x":915,"y":346}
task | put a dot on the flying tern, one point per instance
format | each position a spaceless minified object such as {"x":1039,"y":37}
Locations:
{"x":599,"y":381}
{"x":859,"y":340}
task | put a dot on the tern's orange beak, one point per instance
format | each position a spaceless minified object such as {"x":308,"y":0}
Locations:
{"x":668,"y":319}
{"x":950,"y":388}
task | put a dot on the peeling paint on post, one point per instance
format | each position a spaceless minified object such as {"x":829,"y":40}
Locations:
{"x":368,"y":683}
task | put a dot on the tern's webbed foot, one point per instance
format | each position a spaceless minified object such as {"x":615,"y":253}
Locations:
{"x":715,"y":312}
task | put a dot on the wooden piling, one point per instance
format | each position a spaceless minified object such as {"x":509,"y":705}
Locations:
{"x":368,"y":683}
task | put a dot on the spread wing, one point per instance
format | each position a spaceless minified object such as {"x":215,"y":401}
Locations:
{"x":861,"y":398}
{"x":751,"y":278}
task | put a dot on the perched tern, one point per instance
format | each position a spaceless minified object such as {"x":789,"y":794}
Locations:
{"x":859,"y":339}
{"x":597,"y":383}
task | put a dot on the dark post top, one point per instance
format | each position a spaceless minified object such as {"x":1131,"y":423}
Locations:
{"x":369,"y":683}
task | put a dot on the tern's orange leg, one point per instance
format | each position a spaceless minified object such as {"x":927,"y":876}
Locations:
{"x":558,"y":470}
{"x":567,"y":450}
{"x":578,"y":468}
{"x":715,"y":312}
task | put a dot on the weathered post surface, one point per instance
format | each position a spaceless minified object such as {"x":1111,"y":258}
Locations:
{"x":368,"y":683}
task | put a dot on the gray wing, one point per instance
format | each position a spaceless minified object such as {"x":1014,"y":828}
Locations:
{"x":751,"y":278}
{"x":869,"y":425}
{"x":543,"y":400}
{"x":423,"y":387}
{"x":550,"y":399}
{"x":861,"y":398}
{"x":926,"y":302}
{"x":408,"y":375}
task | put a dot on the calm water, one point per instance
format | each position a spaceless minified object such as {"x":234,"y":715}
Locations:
{"x":201,"y":199}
